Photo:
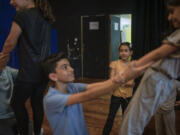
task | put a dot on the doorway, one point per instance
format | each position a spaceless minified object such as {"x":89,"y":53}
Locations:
{"x":94,"y":35}
{"x":120,"y":31}
{"x":101,"y":36}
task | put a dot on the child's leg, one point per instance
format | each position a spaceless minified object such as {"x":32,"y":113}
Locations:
{"x":21,"y":93}
{"x":125,"y":103}
{"x":167,"y":114}
{"x":114,"y":106}
{"x":37,"y":107}
{"x":159,"y":124}
{"x":150,"y":95}
{"x":169,"y":122}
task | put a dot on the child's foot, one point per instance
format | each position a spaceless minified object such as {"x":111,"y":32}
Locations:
{"x":42,"y":131}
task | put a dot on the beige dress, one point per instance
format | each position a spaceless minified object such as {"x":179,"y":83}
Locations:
{"x":157,"y":84}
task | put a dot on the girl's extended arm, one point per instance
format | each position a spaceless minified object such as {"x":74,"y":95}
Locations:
{"x":136,"y":68}
{"x":156,"y":54}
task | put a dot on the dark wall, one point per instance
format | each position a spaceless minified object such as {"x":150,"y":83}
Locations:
{"x":68,"y":14}
{"x":68,"y":17}
{"x":72,"y":7}
{"x":151,"y":25}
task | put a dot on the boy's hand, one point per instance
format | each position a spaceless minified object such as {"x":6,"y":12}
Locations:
{"x":131,"y":72}
{"x":4,"y":58}
{"x":125,"y":75}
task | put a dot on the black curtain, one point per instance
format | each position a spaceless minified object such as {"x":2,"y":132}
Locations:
{"x":151,"y":25}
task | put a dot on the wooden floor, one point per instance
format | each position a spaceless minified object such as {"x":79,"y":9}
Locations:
{"x":95,"y":113}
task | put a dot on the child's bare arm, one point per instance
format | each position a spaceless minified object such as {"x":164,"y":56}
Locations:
{"x":12,"y":38}
{"x":156,"y":54}
{"x":136,"y":68}
{"x":93,"y":92}
{"x":92,"y":85}
{"x":130,"y":72}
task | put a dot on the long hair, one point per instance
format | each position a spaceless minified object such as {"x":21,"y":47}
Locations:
{"x":45,"y":8}
{"x":169,"y":26}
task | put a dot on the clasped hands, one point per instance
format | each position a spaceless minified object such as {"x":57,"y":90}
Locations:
{"x":132,"y":71}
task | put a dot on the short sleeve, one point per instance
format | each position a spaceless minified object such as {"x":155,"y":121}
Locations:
{"x":77,"y":87}
{"x":112,"y":64}
{"x":173,"y":39}
{"x":20,"y":19}
{"x":13,"y":72}
{"x":112,"y":67}
{"x":56,"y":103}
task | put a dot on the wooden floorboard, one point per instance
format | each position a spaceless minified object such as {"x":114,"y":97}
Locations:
{"x":95,"y":112}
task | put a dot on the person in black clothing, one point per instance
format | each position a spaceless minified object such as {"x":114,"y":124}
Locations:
{"x":31,"y":29}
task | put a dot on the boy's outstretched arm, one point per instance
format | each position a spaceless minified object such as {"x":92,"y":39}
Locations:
{"x":93,"y":92}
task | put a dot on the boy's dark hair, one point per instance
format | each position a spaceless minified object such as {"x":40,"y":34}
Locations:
{"x":49,"y":64}
{"x":127,"y":44}
{"x":172,"y":2}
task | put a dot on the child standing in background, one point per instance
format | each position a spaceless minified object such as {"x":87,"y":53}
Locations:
{"x":122,"y":95}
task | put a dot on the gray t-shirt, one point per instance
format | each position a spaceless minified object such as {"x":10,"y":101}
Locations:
{"x":7,"y":78}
